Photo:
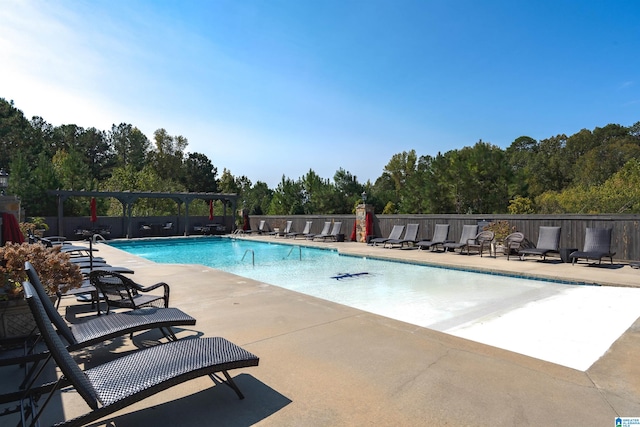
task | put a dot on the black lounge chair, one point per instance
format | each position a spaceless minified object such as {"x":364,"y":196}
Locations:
{"x":396,"y":233}
{"x":94,"y":330}
{"x":121,"y":382}
{"x":440,"y":236}
{"x":410,"y":237}
{"x":548,"y":241}
{"x":305,"y":231}
{"x":512,"y":243}
{"x":467,"y":237}
{"x":120,"y":291}
{"x":597,"y":245}
{"x":481,"y":241}
{"x":325,"y":230}
{"x":333,"y":235}
{"x":97,"y":329}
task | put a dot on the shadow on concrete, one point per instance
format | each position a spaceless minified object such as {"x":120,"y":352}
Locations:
{"x":217,"y":405}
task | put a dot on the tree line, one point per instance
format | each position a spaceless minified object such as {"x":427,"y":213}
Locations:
{"x":591,"y":171}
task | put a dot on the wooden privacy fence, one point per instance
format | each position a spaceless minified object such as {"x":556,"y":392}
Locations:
{"x":625,"y":234}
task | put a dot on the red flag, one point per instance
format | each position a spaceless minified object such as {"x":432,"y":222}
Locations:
{"x":210,"y":210}
{"x":94,"y":213}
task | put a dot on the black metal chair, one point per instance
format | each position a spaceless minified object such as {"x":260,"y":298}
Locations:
{"x":120,"y":291}
{"x":512,"y":243}
{"x":481,"y":241}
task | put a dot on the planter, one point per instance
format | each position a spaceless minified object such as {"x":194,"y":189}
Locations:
{"x":16,"y":319}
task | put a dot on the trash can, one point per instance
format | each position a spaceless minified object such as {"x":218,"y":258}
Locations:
{"x":339,"y":237}
{"x":565,"y":252}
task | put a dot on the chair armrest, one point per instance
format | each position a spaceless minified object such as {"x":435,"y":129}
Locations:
{"x":141,"y":288}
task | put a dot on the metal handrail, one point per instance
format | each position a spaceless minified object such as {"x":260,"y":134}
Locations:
{"x":299,"y":252}
{"x":253,"y":257}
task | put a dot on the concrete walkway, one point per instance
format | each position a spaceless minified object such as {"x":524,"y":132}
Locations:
{"x":324,"y":364}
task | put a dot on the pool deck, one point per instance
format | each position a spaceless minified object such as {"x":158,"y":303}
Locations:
{"x":325,"y":364}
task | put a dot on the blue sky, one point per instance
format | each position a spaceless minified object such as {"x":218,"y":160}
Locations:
{"x":277,"y":87}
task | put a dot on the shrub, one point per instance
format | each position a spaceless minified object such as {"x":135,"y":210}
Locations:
{"x":56,"y":271}
{"x":501,"y":229}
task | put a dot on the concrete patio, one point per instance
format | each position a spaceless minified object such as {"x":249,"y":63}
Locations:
{"x":324,"y":364}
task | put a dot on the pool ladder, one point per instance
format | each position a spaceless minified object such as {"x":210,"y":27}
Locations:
{"x":299,"y":252}
{"x":253,"y":257}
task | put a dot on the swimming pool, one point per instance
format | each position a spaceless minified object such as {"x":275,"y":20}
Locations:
{"x":547,"y":320}
{"x":418,"y":294}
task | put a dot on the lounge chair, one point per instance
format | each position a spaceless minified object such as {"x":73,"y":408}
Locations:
{"x":481,"y":241}
{"x":325,"y":230}
{"x":512,"y":243}
{"x":468,"y":236}
{"x":396,"y":233}
{"x":284,"y":231}
{"x":304,"y":232}
{"x":120,"y":291}
{"x":597,"y":245}
{"x":440,"y":236}
{"x":119,"y":383}
{"x":548,"y":241}
{"x":95,"y":330}
{"x":333,"y":235}
{"x":410,"y":237}
{"x":261,"y":228}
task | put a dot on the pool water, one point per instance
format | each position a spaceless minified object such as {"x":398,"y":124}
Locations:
{"x":433,"y":297}
{"x":547,"y":320}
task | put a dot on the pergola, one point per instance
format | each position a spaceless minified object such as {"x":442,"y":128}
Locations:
{"x":128,"y":198}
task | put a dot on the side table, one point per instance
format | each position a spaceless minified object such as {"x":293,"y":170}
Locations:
{"x":565,"y":252}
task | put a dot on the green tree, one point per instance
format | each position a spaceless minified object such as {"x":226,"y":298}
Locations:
{"x":14,"y":133}
{"x":167,"y":158}
{"x":348,"y":189}
{"x":258,"y":198}
{"x":520,"y":155}
{"x":130,"y":145}
{"x":287,"y":198}
{"x":552,"y":169}
{"x":199,"y":174}
{"x":97,"y":152}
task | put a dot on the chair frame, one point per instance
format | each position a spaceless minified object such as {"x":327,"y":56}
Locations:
{"x":440,"y":237}
{"x":120,"y":291}
{"x":512,"y":242}
{"x":544,"y":233}
{"x":395,"y":234}
{"x":482,"y":240}
{"x":410,"y":237}
{"x":468,"y":234}
{"x":597,"y":245}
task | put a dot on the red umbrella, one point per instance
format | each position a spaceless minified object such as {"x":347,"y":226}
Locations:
{"x":10,"y":229}
{"x":210,"y":210}
{"x":368,"y":224}
{"x":245,"y":224}
{"x":94,"y":214}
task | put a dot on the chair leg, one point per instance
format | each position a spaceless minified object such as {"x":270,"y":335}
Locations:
{"x":229,"y":382}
